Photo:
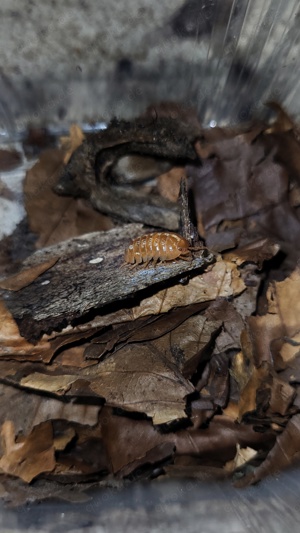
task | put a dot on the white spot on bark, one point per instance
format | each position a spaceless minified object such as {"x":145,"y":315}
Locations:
{"x":96,"y":260}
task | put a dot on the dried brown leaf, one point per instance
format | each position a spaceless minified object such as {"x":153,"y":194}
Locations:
{"x":255,"y":252}
{"x":186,"y":344}
{"x":137,"y":378}
{"x":27,"y":457}
{"x":13,"y":345}
{"x":27,"y":410}
{"x":55,"y":218}
{"x":222,"y":279}
{"x":168,"y":184}
{"x":240,"y":181}
{"x":283,"y":121}
{"x":140,"y":330}
{"x":128,"y":441}
{"x":64,"y":438}
{"x":84,"y":456}
{"x":223,"y":311}
{"x":285,"y":452}
{"x":261,"y":390}
{"x":290,"y":349}
{"x":214,"y":383}
{"x":271,"y":336}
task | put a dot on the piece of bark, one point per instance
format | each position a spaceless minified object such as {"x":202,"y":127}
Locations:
{"x":27,"y":276}
{"x":90,"y":274}
{"x":90,"y":171}
{"x":189,"y":231}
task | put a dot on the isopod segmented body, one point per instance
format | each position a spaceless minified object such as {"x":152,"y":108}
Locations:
{"x":157,"y":246}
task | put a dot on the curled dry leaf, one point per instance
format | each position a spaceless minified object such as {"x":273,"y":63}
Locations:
{"x":274,"y":335}
{"x":255,"y":252}
{"x":28,"y":410}
{"x":261,"y":390}
{"x":233,"y":323}
{"x":214,"y":383}
{"x":14,"y":346}
{"x":286,"y":452}
{"x":139,"y":330}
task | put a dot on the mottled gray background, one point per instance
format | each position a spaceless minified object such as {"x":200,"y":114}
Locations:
{"x":85,"y":60}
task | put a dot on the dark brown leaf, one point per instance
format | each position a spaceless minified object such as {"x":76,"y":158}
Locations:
{"x":52,"y":217}
{"x":128,"y":441}
{"x":239,"y":182}
{"x":9,"y":160}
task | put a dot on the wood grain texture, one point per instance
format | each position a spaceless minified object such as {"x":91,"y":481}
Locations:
{"x":89,"y":274}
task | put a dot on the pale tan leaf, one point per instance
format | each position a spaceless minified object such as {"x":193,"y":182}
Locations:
{"x":222,"y":279}
{"x":71,"y":142}
{"x":48,"y":383}
{"x":11,"y":342}
{"x":243,"y":455}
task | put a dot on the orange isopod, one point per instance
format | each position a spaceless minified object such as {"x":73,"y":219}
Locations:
{"x":162,"y":246}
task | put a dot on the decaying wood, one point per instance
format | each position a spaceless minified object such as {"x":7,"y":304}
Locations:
{"x":188,"y":230}
{"x":90,"y":171}
{"x":89,"y":274}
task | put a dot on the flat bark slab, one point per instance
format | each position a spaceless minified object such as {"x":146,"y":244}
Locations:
{"x":89,"y":274}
